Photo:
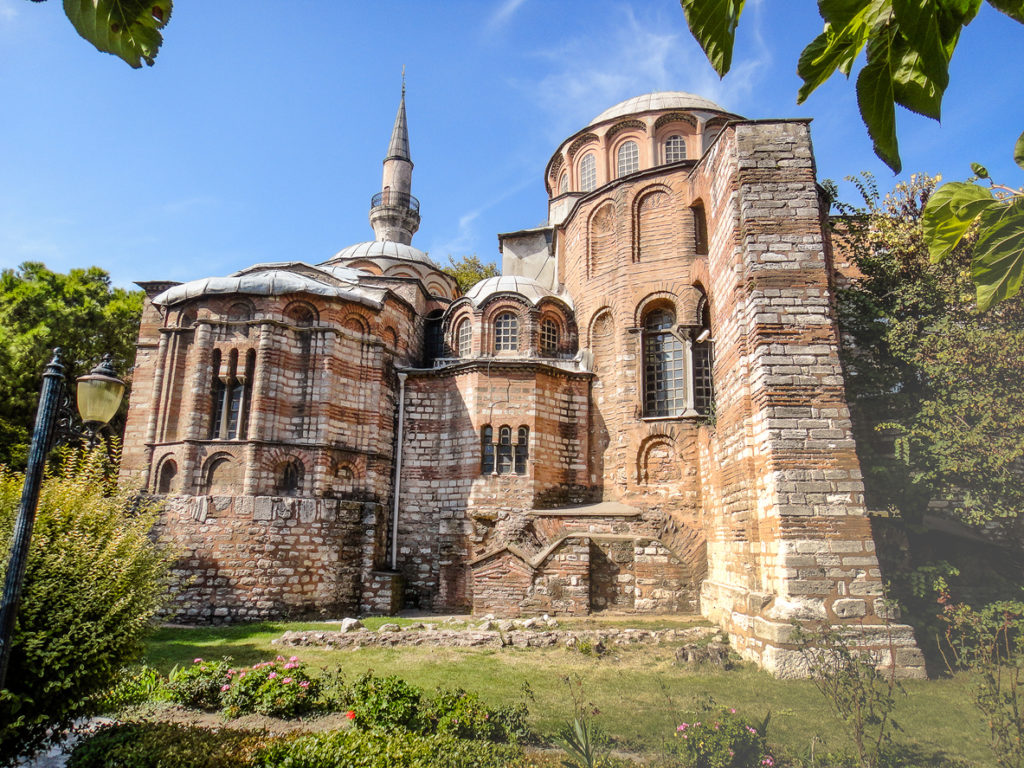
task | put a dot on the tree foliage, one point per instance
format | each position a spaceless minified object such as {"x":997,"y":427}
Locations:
{"x":943,"y":380}
{"x":128,"y":29}
{"x":93,"y":581}
{"x":39,"y":310}
{"x":469,"y":270}
{"x":908,"y":46}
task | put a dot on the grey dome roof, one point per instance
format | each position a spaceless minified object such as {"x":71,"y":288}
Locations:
{"x":382,"y":249}
{"x":526,"y":287}
{"x":276,"y":279}
{"x":658,"y":100}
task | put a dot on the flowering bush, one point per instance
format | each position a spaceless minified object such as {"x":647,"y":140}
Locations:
{"x":199,"y":686}
{"x":724,"y":740}
{"x":279,"y":688}
{"x":385,"y":702}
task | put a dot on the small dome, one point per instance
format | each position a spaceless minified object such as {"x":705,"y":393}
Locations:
{"x":659,"y":100}
{"x":526,"y":287}
{"x":381,"y":249}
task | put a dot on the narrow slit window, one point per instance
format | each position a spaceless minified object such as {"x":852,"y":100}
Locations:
{"x":522,"y":452}
{"x":505,"y":451}
{"x":487,"y":451}
{"x":548,"y":337}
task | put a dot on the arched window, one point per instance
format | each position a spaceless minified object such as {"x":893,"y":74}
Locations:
{"x":433,"y":339}
{"x":289,"y":478}
{"x":563,"y":184}
{"x":506,"y":332}
{"x":700,"y":228}
{"x":168,"y":471}
{"x":487,"y":451}
{"x":464,"y":338}
{"x":675,"y":149}
{"x":628,"y":159}
{"x":588,"y":173}
{"x":505,"y":451}
{"x":703,"y":386}
{"x":522,"y":451}
{"x":219,"y":479}
{"x":548,"y":337}
{"x":664,"y":366}
{"x":231,"y":395}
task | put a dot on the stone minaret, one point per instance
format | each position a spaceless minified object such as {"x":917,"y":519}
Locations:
{"x":394,"y":212}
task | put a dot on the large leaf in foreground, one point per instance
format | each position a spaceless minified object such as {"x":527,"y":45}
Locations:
{"x":128,"y":29}
{"x":713,"y":23}
{"x":949,"y":213}
{"x":998,"y":266}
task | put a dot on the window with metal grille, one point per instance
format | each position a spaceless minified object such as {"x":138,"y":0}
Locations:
{"x":628,"y":158}
{"x":563,"y":184}
{"x":703,"y":391}
{"x":548,"y":337}
{"x":675,"y":149}
{"x":506,"y":332}
{"x":588,"y":172}
{"x":487,"y":450}
{"x":231,"y":396}
{"x":664,"y":366}
{"x":522,"y":451}
{"x":464,"y":338}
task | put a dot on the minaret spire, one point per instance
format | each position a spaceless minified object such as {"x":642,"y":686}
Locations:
{"x":394,"y":212}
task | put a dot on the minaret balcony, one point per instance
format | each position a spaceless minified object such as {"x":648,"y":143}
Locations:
{"x":390,"y":199}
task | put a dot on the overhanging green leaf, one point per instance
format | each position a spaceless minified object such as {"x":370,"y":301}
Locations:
{"x":713,"y":23}
{"x":919,"y":27}
{"x":1018,"y":151}
{"x":876,"y":101}
{"x":912,"y":87}
{"x":841,"y":13}
{"x":949,"y":213}
{"x":826,"y":53}
{"x":128,"y":29}
{"x":1012,"y":8}
{"x":998,"y":265}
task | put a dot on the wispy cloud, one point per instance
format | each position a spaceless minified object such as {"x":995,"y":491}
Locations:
{"x":638,"y":51}
{"x":465,"y":238}
{"x":502,"y":14}
{"x":7,"y":10}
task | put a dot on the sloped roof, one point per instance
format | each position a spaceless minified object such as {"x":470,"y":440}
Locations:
{"x":657,"y":101}
{"x":376,"y":249}
{"x":526,"y":287}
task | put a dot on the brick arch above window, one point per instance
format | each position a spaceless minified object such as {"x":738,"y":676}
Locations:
{"x":301,"y":313}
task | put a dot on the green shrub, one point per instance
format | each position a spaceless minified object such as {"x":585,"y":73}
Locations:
{"x":722,"y":740}
{"x":93,"y":582}
{"x":280,"y":688}
{"x":463,"y":714}
{"x":385,"y":702}
{"x":379,"y":749}
{"x":167,"y":745}
{"x":133,"y":687}
{"x":199,"y":686}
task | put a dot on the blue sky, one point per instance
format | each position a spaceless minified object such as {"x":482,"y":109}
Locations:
{"x":259,"y":134}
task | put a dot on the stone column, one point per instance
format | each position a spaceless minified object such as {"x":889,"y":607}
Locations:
{"x":258,"y":416}
{"x":155,"y":406}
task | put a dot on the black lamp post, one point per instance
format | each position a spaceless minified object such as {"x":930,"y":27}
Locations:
{"x":99,"y":395}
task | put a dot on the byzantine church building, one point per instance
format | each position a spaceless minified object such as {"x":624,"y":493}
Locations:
{"x":644,"y":413}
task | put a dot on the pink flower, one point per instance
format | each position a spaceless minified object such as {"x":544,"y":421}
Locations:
{"x":289,"y":665}
{"x":272,"y":675}
{"x":304,"y":684}
{"x":197,"y":661}
{"x":286,"y":680}
{"x":294,"y":658}
{"x":682,"y":726}
{"x":280,"y":658}
{"x":732,"y":711}
{"x":225,"y":687}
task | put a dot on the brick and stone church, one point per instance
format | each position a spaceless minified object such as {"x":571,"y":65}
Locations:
{"x":645,"y":412}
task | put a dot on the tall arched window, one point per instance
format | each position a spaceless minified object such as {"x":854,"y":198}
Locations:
{"x":675,"y":149}
{"x":664,"y":366}
{"x":548,"y":337}
{"x":522,"y":450}
{"x":487,"y":450}
{"x":505,"y":451}
{"x":231,"y":395}
{"x":563,"y":184}
{"x":506,"y":332}
{"x":588,"y":172}
{"x":703,"y":385}
{"x":628,"y":159}
{"x":168,"y":471}
{"x":700,"y":228}
{"x":289,"y":478}
{"x":464,"y":338}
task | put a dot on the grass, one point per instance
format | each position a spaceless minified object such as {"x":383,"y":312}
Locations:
{"x":641,"y":692}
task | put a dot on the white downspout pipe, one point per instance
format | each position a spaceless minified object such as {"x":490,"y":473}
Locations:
{"x":398,"y":470}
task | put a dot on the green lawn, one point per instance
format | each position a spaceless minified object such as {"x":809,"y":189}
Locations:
{"x":641,"y":692}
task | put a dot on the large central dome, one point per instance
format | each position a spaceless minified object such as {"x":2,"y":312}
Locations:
{"x":659,"y":100}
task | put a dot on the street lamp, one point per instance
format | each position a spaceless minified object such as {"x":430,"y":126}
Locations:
{"x":99,"y":395}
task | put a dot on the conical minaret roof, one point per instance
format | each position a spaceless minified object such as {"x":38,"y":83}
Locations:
{"x":398,"y":149}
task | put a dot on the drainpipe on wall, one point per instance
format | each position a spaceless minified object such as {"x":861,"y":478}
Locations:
{"x":398,"y":470}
